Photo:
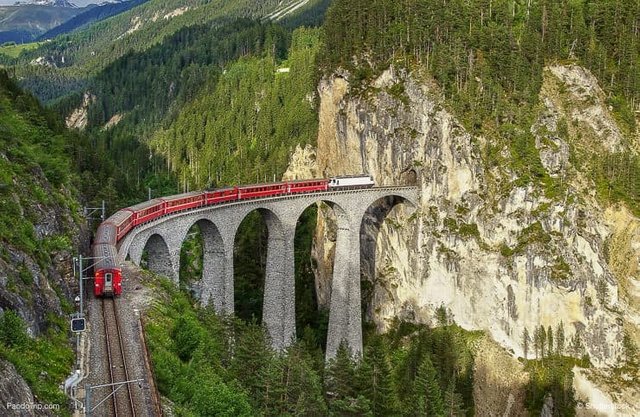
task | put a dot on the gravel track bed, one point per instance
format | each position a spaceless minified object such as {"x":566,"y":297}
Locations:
{"x":135,"y":298}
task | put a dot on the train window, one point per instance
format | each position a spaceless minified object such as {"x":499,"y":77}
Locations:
{"x":107,"y":277}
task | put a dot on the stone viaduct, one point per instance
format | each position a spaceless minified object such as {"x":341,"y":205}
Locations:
{"x":163,"y":238}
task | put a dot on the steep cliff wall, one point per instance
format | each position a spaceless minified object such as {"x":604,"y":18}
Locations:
{"x":502,"y":255}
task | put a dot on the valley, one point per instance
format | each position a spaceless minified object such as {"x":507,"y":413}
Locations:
{"x":508,"y":285}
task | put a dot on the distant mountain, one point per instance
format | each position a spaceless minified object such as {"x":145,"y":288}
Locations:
{"x":92,"y":14}
{"x":26,"y":22}
{"x":53,"y":3}
{"x":99,"y":44}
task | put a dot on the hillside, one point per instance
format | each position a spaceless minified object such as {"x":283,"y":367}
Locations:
{"x":25,"y":23}
{"x":520,"y":125}
{"x":67,"y":62}
{"x":87,"y":17}
{"x":512,"y":287}
{"x":40,"y":226}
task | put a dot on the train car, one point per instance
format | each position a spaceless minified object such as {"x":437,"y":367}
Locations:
{"x":147,"y":211}
{"x":307,"y":186}
{"x":221,"y":195}
{"x":107,"y":275}
{"x":184,"y":201}
{"x":123,"y":221}
{"x":106,"y":234}
{"x":351,"y":182}
{"x":261,"y":190}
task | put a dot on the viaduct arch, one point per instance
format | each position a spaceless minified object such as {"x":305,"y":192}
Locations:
{"x":162,"y":239}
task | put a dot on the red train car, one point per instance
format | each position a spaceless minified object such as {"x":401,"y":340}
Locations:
{"x":147,"y":211}
{"x":308,"y":186}
{"x":221,"y":195}
{"x":122,"y":221}
{"x":107,"y":275}
{"x":184,"y":201}
{"x":261,"y":190}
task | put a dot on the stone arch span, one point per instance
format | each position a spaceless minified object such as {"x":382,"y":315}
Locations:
{"x":163,"y":240}
{"x":212,"y":282}
{"x":278,"y":302}
{"x":158,"y":256}
{"x":373,"y":220}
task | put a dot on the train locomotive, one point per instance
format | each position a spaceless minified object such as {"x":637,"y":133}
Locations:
{"x":107,"y":273}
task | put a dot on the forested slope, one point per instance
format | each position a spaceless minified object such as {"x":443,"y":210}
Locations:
{"x":489,"y":58}
{"x":39,"y":226}
{"x":74,"y":58}
{"x":94,"y":14}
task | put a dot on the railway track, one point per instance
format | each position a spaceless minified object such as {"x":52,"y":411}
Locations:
{"x":122,"y":398}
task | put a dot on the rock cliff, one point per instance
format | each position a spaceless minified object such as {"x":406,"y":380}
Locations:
{"x":502,"y":255}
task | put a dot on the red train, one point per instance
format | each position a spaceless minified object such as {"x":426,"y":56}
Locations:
{"x":108,"y":276}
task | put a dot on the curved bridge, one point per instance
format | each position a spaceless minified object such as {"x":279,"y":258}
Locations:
{"x":163,"y":238}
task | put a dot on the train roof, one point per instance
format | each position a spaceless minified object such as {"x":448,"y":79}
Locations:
{"x":282,"y":183}
{"x":105,"y":255}
{"x":145,"y":204}
{"x":119,"y":216}
{"x":183,"y":195}
{"x":352,"y":176}
{"x":308,"y":180}
{"x":106,"y":234}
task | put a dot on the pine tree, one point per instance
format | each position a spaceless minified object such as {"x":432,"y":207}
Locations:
{"x":560,"y":339}
{"x":525,"y":342}
{"x":252,"y":358}
{"x":543,"y":341}
{"x":550,"y":346}
{"x":340,"y":389}
{"x":453,"y":404}
{"x":373,"y":378}
{"x":429,"y":401}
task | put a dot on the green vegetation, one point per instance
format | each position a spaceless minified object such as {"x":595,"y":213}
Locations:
{"x":34,"y":151}
{"x":242,"y":128}
{"x":42,"y":362}
{"x":550,"y":372}
{"x":552,"y":376}
{"x":240,"y":375}
{"x":83,"y":54}
{"x":36,"y":178}
{"x":488,"y":57}
{"x":13,"y":50}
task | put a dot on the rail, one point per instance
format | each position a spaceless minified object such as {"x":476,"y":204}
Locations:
{"x":117,"y":362}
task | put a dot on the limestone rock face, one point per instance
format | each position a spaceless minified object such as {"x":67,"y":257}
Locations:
{"x":15,"y":391}
{"x":79,"y":118}
{"x":501,"y":260}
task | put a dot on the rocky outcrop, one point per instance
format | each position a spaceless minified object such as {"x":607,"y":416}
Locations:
{"x":16,"y":398}
{"x":502,"y":260}
{"x":79,"y":118}
{"x":30,"y":284}
{"x":501,"y":255}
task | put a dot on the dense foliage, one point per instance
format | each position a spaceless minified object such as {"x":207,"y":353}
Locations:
{"x":36,"y":179}
{"x":76,"y":57}
{"x":412,"y":370}
{"x":34,"y":151}
{"x":500,"y":46}
{"x":242,"y":128}
{"x":489,"y":57}
{"x":31,"y":357}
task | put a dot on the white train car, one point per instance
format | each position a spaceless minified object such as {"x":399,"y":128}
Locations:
{"x":352,"y":181}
